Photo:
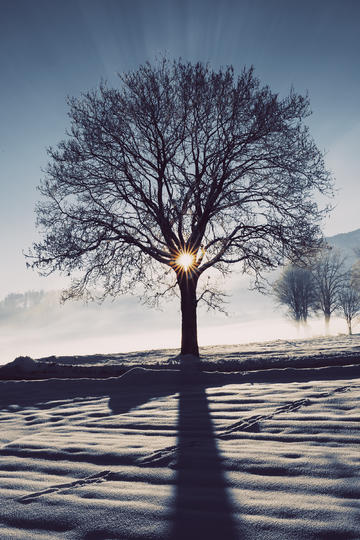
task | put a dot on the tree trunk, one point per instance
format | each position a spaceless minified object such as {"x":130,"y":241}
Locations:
{"x":189,"y":343}
{"x":349,"y":326}
{"x":327,"y":323}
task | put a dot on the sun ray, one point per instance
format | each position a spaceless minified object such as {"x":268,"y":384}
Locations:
{"x":185,"y":261}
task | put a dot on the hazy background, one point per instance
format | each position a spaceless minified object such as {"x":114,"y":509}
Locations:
{"x":35,"y":324}
{"x":46,"y":329}
{"x":51,"y":49}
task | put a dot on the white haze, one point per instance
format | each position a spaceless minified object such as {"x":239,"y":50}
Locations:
{"x":48,"y":328}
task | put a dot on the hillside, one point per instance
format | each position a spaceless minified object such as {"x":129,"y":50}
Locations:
{"x":346,"y":242}
{"x":319,"y":352}
{"x":174,"y":455}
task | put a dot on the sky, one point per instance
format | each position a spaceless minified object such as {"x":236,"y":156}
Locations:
{"x":53,"y":49}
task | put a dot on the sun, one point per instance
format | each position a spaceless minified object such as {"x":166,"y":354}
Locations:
{"x":185,"y":261}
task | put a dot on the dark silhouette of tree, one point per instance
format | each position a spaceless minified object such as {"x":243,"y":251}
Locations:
{"x":295,"y":290}
{"x":328,"y":272}
{"x":355,"y":271}
{"x":349,"y":302}
{"x":180,"y":170}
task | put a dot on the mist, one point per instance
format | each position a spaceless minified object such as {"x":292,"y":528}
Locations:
{"x":35,"y":324}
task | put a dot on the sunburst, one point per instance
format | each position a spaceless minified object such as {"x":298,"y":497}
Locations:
{"x":185,"y":261}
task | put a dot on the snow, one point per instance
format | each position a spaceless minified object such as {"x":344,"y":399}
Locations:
{"x":24,"y":365}
{"x":173,"y":454}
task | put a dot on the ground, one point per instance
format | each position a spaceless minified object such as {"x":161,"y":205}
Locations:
{"x":173,"y":455}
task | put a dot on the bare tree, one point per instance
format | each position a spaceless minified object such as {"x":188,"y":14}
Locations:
{"x":328,"y":272}
{"x":179,"y":170}
{"x":349,"y":302}
{"x":355,"y":271}
{"x":295,"y":290}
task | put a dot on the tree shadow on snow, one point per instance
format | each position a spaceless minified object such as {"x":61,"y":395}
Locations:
{"x":202,"y":504}
{"x":134,"y":388}
{"x":202,"y":508}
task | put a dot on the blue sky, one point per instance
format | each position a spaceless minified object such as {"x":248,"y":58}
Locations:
{"x":50,"y":49}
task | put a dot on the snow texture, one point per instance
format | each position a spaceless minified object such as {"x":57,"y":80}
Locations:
{"x":173,"y":454}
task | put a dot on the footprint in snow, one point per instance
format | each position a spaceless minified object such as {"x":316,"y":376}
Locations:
{"x":93,"y":479}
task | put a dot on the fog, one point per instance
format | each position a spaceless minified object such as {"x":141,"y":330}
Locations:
{"x":35,"y":324}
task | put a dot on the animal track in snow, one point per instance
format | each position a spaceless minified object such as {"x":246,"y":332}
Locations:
{"x":249,"y":423}
{"x":161,"y":457}
{"x":165,"y":456}
{"x":93,"y":479}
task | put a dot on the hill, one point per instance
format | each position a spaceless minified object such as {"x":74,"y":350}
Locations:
{"x":320,"y":352}
{"x":346,"y":242}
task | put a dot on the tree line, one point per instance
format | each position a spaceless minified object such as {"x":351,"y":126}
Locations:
{"x":15,"y":303}
{"x":323,"y":284}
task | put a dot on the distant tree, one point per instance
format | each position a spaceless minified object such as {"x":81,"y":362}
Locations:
{"x":11,"y":304}
{"x":329,"y":272}
{"x":179,"y":170}
{"x":355,"y":271}
{"x":295,"y":290}
{"x":349,"y":302}
{"x":15,"y":303}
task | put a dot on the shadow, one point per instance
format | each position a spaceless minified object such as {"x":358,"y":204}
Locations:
{"x":138,"y":385}
{"x":202,"y":505}
{"x":135,"y":387}
{"x":45,"y":394}
{"x":100,"y":535}
{"x":202,"y":508}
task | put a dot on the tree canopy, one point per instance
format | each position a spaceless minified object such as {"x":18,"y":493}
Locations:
{"x":295,"y":289}
{"x":349,"y":302}
{"x":328,"y":269}
{"x":179,"y":160}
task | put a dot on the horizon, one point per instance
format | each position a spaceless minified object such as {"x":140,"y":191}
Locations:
{"x":77,"y":329}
